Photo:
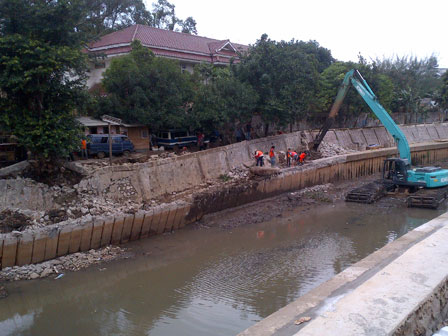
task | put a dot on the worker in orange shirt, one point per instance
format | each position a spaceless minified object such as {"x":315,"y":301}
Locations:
{"x":302,"y":157}
{"x":84,"y":149}
{"x":259,"y":157}
{"x":272,"y":156}
{"x":294,"y":156}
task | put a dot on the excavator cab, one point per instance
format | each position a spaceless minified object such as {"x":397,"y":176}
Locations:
{"x":395,"y":170}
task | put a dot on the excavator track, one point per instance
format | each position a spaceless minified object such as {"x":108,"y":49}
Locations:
{"x":369,"y":193}
{"x":428,"y":198}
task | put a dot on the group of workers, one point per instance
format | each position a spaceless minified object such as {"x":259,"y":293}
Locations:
{"x":292,"y":157}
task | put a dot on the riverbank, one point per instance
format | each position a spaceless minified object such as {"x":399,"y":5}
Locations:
{"x":215,"y":279}
{"x":304,"y":200}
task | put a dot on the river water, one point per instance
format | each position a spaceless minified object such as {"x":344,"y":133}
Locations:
{"x":206,"y":281}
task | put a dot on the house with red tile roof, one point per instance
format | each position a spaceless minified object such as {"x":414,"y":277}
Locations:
{"x":186,"y":48}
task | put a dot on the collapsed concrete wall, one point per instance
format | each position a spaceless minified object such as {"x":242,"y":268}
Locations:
{"x":154,"y":179}
{"x":58,"y":240}
{"x":172,"y":175}
{"x":25,"y":194}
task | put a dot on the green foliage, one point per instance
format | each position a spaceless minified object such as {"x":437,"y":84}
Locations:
{"x":285,"y":76}
{"x":413,"y":79}
{"x":41,"y":74}
{"x":105,"y":16}
{"x":332,"y":77}
{"x":224,"y":177}
{"x":144,"y":89}
{"x":222,"y":100}
{"x":442,"y":97}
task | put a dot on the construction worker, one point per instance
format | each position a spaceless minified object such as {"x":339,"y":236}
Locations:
{"x":259,"y":157}
{"x":302,"y":158}
{"x":272,"y":156}
{"x":288,"y":157}
{"x":295,"y":156}
{"x":84,"y":149}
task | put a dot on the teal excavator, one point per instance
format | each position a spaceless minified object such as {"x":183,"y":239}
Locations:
{"x":427,"y":186}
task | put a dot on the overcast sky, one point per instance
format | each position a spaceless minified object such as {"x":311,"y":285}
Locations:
{"x":376,"y":28}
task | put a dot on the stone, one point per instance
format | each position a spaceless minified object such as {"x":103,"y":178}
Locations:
{"x":34,"y":275}
{"x":46,"y":272}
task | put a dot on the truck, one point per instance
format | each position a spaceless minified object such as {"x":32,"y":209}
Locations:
{"x":427,"y":186}
{"x":98,"y":144}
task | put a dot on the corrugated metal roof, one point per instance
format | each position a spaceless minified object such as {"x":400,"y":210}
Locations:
{"x":91,"y":122}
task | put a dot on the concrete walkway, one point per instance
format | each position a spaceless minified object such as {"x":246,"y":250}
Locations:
{"x":400,"y":289}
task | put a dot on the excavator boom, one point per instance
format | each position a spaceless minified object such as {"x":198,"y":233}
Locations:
{"x":354,"y":77}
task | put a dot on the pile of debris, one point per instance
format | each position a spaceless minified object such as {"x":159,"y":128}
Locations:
{"x":328,"y":149}
{"x":56,"y":267}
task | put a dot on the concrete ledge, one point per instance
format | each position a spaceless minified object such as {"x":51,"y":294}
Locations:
{"x":386,"y":293}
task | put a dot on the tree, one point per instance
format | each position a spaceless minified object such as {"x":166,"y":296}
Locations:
{"x":142,"y":88}
{"x":106,"y":16}
{"x":285,"y":76}
{"x":353,"y":105}
{"x":222,"y":101}
{"x":413,"y":80}
{"x":164,"y":17}
{"x":41,"y":74}
{"x":442,"y":97}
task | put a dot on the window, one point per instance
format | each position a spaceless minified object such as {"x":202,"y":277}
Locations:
{"x":165,"y":135}
{"x":103,"y":139}
{"x":179,"y":134}
{"x":117,"y":140}
{"x":144,"y":133}
{"x":183,"y":68}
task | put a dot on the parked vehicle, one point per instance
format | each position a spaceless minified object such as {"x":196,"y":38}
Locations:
{"x":9,"y":150}
{"x":175,"y":137}
{"x":98,"y":144}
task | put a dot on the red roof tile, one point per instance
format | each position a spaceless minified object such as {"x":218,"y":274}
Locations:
{"x":183,"y":45}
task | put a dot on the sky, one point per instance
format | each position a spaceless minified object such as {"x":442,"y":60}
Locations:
{"x":375,"y":28}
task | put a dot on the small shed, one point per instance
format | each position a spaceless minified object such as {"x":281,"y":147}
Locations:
{"x":137,"y":133}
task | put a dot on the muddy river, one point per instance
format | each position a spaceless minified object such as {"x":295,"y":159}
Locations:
{"x":206,"y":280}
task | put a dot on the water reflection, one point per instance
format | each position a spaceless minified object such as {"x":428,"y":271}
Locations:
{"x":203,"y":282}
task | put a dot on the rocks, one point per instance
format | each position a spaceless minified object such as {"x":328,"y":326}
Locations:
{"x":328,"y":149}
{"x":72,"y":262}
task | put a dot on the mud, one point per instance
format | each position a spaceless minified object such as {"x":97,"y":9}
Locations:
{"x":13,"y":221}
{"x":303,"y":200}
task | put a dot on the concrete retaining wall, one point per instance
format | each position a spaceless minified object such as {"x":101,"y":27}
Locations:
{"x":57,"y":240}
{"x":153,"y":179}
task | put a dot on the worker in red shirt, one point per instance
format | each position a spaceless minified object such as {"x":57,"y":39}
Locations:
{"x":272,"y":156}
{"x":259,"y":157}
{"x":302,"y":158}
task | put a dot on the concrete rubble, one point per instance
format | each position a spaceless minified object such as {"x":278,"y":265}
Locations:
{"x":327,"y":149}
{"x":55,"y":267}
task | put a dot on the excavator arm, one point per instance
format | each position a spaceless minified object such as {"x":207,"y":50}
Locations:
{"x":361,"y":86}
